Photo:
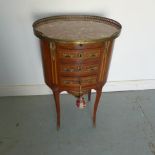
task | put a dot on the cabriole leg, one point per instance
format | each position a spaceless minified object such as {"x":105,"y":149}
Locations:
{"x":57,"y":105}
{"x":98,"y":95}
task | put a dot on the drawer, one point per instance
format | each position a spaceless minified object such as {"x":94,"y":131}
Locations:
{"x":76,"y":82}
{"x":79,"y":54}
{"x":79,"y":70}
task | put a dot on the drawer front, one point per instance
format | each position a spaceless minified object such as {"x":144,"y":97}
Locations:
{"x":79,"y":93}
{"x":76,"y":82}
{"x":79,"y":70}
{"x":79,"y":54}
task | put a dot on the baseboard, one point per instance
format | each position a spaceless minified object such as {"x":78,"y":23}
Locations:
{"x":42,"y":89}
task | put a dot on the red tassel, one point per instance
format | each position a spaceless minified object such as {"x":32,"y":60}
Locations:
{"x":80,"y":103}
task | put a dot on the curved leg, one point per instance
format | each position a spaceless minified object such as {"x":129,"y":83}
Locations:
{"x":57,"y":105}
{"x":98,"y":95}
{"x":89,"y":95}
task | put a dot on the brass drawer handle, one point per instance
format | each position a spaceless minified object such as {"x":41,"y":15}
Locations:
{"x":81,"y":55}
{"x":67,"y":70}
{"x":72,"y":55}
{"x":79,"y":69}
{"x":88,"y":81}
{"x":75,"y":69}
{"x":67,"y":55}
{"x":93,"y":55}
{"x":91,"y":68}
{"x":69,"y":82}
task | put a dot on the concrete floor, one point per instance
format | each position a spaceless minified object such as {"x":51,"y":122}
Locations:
{"x":125,"y":125}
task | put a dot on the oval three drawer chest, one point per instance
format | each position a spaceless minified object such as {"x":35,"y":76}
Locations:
{"x":76,"y":54}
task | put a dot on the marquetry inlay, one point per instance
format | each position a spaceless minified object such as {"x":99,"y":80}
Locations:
{"x":104,"y":60}
{"x":53,"y":63}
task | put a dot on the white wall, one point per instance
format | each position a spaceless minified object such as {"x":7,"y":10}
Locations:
{"x":134,"y":52}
